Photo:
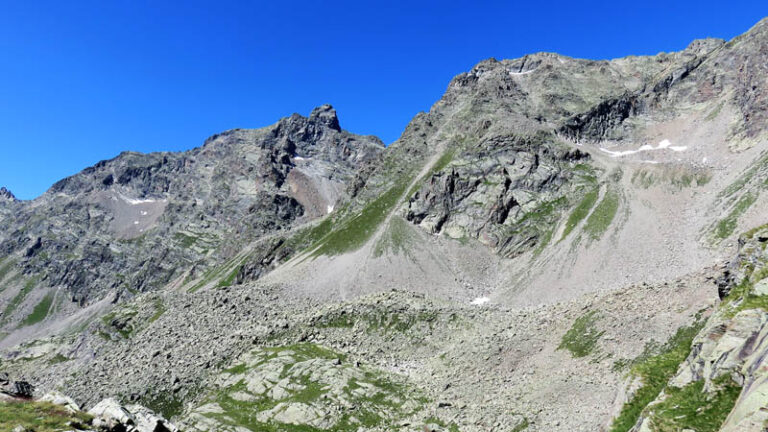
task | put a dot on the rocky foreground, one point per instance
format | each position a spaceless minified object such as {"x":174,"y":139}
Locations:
{"x":57,"y":412}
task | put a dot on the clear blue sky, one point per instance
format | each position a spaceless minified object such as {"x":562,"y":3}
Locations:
{"x":81,"y":81}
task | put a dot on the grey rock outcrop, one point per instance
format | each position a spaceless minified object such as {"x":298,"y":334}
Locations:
{"x":58,"y":398}
{"x":6,"y":195}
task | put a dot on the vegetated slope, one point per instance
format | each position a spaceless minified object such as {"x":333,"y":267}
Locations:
{"x":553,"y":247}
{"x":142,"y":221}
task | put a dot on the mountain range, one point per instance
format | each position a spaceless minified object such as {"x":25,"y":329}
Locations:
{"x":557,"y":245}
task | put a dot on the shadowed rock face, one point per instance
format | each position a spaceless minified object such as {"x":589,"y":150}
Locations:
{"x":138,"y":221}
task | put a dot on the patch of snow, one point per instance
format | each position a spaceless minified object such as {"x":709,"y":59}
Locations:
{"x":133,"y":201}
{"x":704,"y":160}
{"x":135,"y":222}
{"x":143,"y":213}
{"x":329,"y":209}
{"x":522,"y":73}
{"x":480,"y":301}
{"x":650,"y":162}
{"x":298,"y":158}
{"x":663,"y":145}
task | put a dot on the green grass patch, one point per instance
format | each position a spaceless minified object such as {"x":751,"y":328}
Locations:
{"x":586,"y":173}
{"x":714,"y":113}
{"x":185,"y":240}
{"x":580,"y":211}
{"x":19,"y":297}
{"x":745,"y":178}
{"x":58,"y":358}
{"x":521,"y":426}
{"x":220,"y":273}
{"x":677,"y":178}
{"x":397,"y":238}
{"x":743,"y":297}
{"x":165,"y":403}
{"x":39,"y":417}
{"x":230,"y":279}
{"x":120,"y":321}
{"x":356,"y":231}
{"x":754,"y":302}
{"x":438,"y":166}
{"x":691,"y":408}
{"x":601,"y":218}
{"x":581,"y":339}
{"x":341,"y":320}
{"x":655,"y":370}
{"x":5,"y":269}
{"x":311,"y":235}
{"x":381,"y":400}
{"x":643,"y":178}
{"x":727,"y":226}
{"x":40,"y":312}
{"x":159,"y":310}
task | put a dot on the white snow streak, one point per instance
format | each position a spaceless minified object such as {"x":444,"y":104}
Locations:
{"x":480,"y":301}
{"x":663,"y":145}
{"x":133,"y":201}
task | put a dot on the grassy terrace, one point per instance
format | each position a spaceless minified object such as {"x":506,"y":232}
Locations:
{"x":40,"y":417}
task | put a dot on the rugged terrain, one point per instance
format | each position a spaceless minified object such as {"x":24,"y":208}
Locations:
{"x":557,"y":245}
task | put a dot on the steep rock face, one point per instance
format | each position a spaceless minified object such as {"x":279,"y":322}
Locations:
{"x":140,"y":221}
{"x":505,"y":191}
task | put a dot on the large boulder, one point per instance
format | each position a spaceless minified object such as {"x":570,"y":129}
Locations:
{"x":110,"y":415}
{"x":148,"y":421}
{"x":60,"y":399}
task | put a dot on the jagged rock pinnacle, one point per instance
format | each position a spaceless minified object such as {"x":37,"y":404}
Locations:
{"x":326,"y":114}
{"x":5,"y":194}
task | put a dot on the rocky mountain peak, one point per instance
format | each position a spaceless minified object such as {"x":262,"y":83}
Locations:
{"x":326,"y":114}
{"x":5,"y":194}
{"x":703,"y":46}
